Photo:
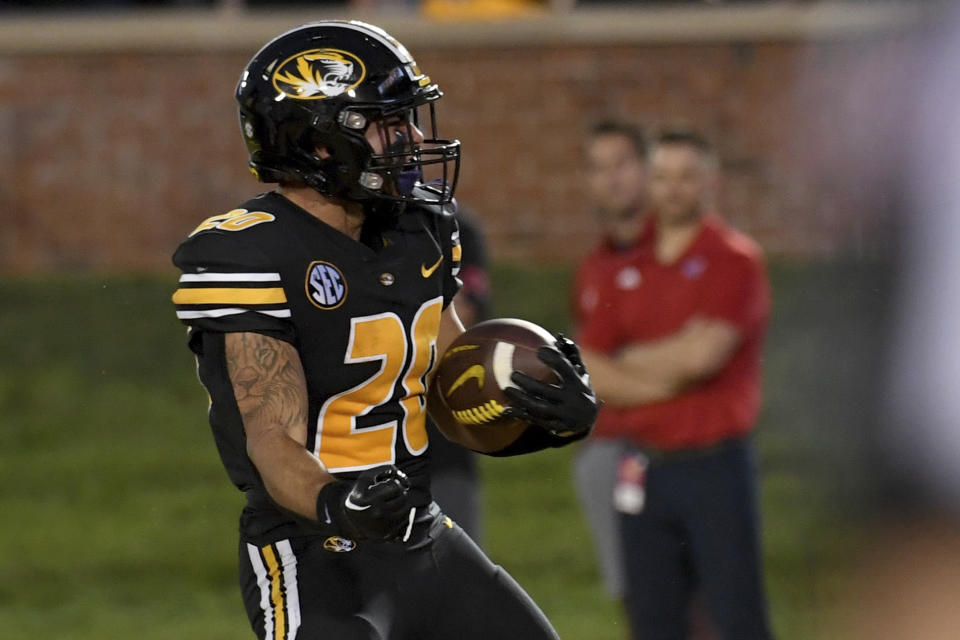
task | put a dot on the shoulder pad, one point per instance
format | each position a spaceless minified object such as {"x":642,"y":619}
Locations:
{"x":219,"y":252}
{"x":235,"y":220}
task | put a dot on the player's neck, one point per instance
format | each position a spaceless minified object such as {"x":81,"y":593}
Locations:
{"x":344,"y":216}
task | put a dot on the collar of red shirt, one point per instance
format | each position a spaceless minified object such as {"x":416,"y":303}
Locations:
{"x":710,"y":224}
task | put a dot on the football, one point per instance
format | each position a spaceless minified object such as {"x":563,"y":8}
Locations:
{"x":475,"y":370}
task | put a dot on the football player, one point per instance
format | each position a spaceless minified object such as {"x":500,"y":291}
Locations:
{"x":316,"y":312}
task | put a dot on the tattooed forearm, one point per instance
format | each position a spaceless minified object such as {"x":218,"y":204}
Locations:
{"x":268,"y":382}
{"x":271,"y":391}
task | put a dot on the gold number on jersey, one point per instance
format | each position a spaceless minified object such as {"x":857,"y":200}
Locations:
{"x":236,"y":220}
{"x":426,"y":326}
{"x":340,"y":445}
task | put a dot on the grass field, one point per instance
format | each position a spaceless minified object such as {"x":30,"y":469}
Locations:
{"x":118,"y":521}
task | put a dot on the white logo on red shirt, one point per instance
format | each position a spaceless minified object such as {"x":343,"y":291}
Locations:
{"x":628,"y":278}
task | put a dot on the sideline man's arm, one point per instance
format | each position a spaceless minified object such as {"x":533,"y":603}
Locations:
{"x":648,"y":372}
{"x":271,"y":391}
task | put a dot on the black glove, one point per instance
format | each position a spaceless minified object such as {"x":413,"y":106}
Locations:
{"x":568,"y":409}
{"x":375,"y":506}
{"x":569,"y":348}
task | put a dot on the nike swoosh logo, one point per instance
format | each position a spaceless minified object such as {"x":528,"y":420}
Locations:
{"x":326,"y":513}
{"x":426,"y":272}
{"x":350,"y":504}
{"x":476,"y":371}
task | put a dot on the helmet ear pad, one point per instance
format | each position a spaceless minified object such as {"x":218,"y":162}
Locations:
{"x":278,"y":142}
{"x":341,"y":156}
{"x":311,"y":148}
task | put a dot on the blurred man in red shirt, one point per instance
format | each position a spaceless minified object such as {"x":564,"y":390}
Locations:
{"x":616,"y":175}
{"x":674,"y":344}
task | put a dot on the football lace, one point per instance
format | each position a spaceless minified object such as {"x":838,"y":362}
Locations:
{"x":487,"y":412}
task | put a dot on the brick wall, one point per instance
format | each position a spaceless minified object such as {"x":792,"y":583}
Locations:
{"x":108,"y":158}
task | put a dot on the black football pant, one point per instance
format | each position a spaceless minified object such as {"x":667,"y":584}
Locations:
{"x":439,"y":585}
{"x":698,"y":532}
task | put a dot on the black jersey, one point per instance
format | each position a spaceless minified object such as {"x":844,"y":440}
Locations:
{"x":364,"y":319}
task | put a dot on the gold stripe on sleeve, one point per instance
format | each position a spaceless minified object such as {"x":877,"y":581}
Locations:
{"x":229,"y":295}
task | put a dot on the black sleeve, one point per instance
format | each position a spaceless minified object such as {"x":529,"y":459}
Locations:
{"x":535,"y":439}
{"x":450,"y":245}
{"x":228,"y":286}
{"x":474,"y":266}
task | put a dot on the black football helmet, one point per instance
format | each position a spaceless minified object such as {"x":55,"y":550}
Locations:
{"x":322,"y":85}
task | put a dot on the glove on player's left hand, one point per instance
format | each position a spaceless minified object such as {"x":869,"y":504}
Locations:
{"x":568,"y":409}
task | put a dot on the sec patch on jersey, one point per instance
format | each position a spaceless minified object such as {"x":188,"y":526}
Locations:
{"x":475,"y":370}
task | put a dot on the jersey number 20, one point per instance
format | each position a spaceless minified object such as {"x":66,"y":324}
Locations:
{"x":381,"y":337}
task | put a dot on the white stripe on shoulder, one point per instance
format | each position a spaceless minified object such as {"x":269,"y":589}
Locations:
{"x":289,"y":563}
{"x":263,"y":581}
{"x":231,"y":311}
{"x":230,"y":277}
{"x":276,"y":313}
